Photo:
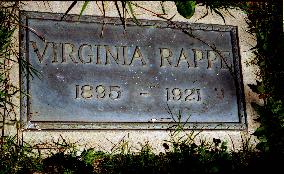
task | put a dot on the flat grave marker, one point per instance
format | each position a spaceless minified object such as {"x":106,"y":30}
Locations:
{"x":96,"y":75}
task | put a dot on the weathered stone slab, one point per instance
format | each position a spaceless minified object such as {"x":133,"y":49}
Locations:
{"x":96,"y":75}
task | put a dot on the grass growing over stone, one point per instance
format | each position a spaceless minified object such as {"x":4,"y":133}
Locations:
{"x":183,"y":156}
{"x":180,"y":156}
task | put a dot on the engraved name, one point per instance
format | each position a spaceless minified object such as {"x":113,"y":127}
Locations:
{"x":103,"y":55}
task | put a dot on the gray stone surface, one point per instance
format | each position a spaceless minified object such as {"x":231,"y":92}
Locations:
{"x":130,"y":79}
{"x":105,"y":139}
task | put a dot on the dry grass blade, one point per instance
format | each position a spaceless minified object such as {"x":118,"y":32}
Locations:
{"x":220,"y":14}
{"x":163,"y":7}
{"x":104,"y":10}
{"x":203,"y":16}
{"x":104,"y":14}
{"x":170,"y":112}
{"x":119,"y":13}
{"x":124,"y":12}
{"x":69,"y":8}
{"x":99,"y":7}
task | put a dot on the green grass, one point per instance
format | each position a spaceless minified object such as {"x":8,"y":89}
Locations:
{"x":179,"y":157}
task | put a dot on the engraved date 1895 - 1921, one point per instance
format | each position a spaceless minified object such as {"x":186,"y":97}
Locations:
{"x":114,"y":92}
